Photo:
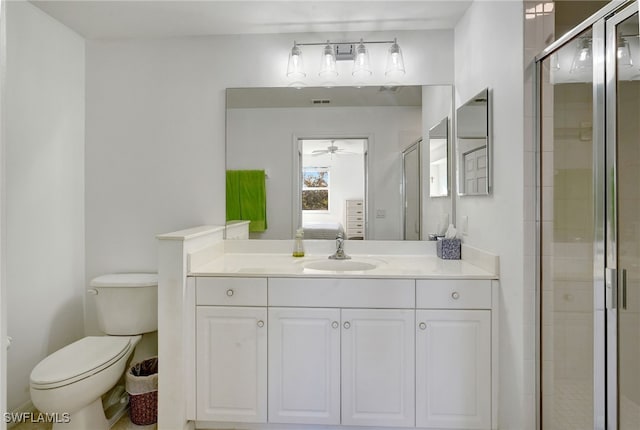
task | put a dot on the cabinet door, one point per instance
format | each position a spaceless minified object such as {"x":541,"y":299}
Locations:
{"x":231,"y":364}
{"x":378,"y":367}
{"x":304,"y":366}
{"x":453,"y":369}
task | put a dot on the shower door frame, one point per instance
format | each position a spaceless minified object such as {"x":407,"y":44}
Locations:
{"x":603,"y":25}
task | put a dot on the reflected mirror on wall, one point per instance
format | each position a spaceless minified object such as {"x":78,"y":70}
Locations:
{"x":265,"y":128}
{"x":473,"y":148}
{"x":439,"y":159}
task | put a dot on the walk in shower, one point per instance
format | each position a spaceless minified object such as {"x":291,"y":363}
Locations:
{"x":589,"y":224}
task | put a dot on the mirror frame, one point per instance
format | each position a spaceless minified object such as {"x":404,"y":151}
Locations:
{"x":484,"y":95}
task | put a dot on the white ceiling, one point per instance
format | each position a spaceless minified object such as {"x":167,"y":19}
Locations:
{"x":114,"y":19}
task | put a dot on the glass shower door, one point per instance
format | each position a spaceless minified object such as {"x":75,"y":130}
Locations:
{"x":567,"y":231}
{"x":624,"y":144}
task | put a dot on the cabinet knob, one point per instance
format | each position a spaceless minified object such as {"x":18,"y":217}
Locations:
{"x":260,"y":323}
{"x":455,"y":295}
{"x":335,"y":324}
{"x":229,"y":292}
{"x":346,"y":324}
{"x":422,"y":326}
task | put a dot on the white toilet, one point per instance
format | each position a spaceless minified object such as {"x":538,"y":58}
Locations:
{"x":73,"y":379}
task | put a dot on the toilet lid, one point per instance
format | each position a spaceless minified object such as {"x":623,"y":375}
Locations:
{"x":79,"y":360}
{"x":126,"y":280}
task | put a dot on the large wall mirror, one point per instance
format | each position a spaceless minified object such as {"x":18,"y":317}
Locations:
{"x":473,"y":149}
{"x":333,"y":158}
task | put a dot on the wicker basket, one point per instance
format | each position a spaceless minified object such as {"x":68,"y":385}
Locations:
{"x":142,"y":386}
{"x":143,"y":408}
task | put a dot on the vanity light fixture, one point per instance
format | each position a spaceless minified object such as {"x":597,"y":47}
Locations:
{"x":328,"y":62}
{"x":357,"y":52}
{"x":361,"y":65}
{"x":295,"y":67}
{"x":395,"y":61}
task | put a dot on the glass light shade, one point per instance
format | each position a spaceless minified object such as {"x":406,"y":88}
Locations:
{"x":328,"y":62}
{"x":624,"y":53}
{"x":582,"y":58}
{"x":295,"y":67}
{"x":361,"y":65}
{"x":395,"y":62}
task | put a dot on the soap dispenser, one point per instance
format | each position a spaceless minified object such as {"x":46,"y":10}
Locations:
{"x":298,"y":246}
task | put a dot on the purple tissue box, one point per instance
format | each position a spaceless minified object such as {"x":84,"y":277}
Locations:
{"x":449,"y":249}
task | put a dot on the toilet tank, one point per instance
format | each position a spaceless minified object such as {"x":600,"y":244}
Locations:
{"x":126,"y":303}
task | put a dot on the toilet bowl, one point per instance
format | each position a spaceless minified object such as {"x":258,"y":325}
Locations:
{"x":69,"y":384}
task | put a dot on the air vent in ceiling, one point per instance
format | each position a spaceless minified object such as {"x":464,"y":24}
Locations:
{"x":389,"y":88}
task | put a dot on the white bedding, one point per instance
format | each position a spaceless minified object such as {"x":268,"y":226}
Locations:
{"x":325,"y":230}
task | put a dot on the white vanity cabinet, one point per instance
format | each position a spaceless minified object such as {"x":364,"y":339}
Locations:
{"x":231,"y":349}
{"x":309,"y":352}
{"x":378,"y":367}
{"x":453,"y":354}
{"x":304,"y":365}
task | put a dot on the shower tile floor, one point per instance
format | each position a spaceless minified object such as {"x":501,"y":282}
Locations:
{"x":573,"y":405}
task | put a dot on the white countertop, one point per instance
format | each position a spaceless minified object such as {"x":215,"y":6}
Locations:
{"x":387,"y":266}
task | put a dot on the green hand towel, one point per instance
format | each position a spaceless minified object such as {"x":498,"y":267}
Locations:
{"x":233,"y":195}
{"x":251,"y":201}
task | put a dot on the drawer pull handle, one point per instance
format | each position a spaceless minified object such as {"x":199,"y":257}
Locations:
{"x":422,"y":326}
{"x":347,"y":325}
{"x":335,"y":324}
{"x":229,"y":292}
{"x":260,"y":323}
{"x":455,"y":295}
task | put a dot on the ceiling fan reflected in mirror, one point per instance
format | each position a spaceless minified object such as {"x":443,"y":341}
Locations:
{"x":332,"y":149}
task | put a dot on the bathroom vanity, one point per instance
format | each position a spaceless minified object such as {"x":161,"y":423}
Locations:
{"x":383,"y":341}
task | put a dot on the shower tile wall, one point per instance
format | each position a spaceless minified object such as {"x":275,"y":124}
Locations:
{"x":567,"y":264}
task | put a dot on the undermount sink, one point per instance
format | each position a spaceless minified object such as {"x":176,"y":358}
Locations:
{"x":340,"y":265}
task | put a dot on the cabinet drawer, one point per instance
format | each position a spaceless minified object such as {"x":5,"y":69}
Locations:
{"x":453,"y":294}
{"x":342,"y":293}
{"x":355,"y":224}
{"x":231,"y":291}
{"x":355,"y":204}
{"x":355,"y":218}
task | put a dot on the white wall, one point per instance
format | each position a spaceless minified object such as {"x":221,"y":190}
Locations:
{"x":264,"y":139}
{"x":489,"y":53}
{"x":44,"y":190}
{"x":155,"y":148}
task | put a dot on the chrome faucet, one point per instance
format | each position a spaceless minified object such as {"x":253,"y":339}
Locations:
{"x":339,"y":255}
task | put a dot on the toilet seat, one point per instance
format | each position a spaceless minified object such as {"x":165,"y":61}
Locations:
{"x":79,"y":360}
